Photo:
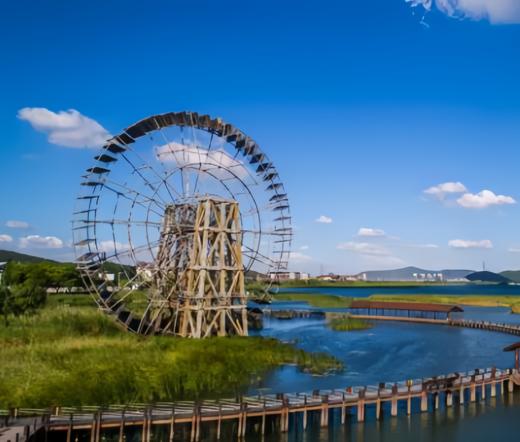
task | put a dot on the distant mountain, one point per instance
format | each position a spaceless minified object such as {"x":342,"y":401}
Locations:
{"x":407,"y":274}
{"x":513,"y":275}
{"x":486,"y":276}
{"x":8,"y":255}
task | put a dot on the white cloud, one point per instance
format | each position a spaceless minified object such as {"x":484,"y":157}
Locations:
{"x":371,"y":233}
{"x":467,"y":244}
{"x":496,"y":11}
{"x":483,"y":199}
{"x":324,"y":219}
{"x":65,"y":128}
{"x":207,"y":160}
{"x":304,"y":248}
{"x":40,"y":242}
{"x":514,"y":249}
{"x":363,"y":248}
{"x":425,"y":246}
{"x":299,"y":257}
{"x":6,"y":238}
{"x":441,"y":190}
{"x":13,"y":224}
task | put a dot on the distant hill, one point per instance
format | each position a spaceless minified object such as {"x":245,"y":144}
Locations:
{"x":513,"y":275}
{"x":407,"y":274}
{"x":488,"y":277}
{"x":8,"y":255}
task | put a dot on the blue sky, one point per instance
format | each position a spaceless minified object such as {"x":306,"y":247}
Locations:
{"x":362,"y":106}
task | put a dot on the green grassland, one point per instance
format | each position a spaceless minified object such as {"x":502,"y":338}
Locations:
{"x":347,"y":323}
{"x":473,"y":300}
{"x":315,"y":300}
{"x":71,"y":354}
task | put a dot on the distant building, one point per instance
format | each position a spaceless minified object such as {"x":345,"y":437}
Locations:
{"x":288,"y":276}
{"x":2,"y":269}
{"x":329,"y":277}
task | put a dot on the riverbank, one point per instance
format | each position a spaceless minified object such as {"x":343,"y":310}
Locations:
{"x":72,"y":354}
{"x":320,"y":301}
{"x":316,"y":283}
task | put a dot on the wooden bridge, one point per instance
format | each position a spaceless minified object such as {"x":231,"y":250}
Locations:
{"x":268,"y":413}
{"x":511,"y":329}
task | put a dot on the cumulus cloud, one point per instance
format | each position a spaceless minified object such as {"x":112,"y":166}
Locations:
{"x":299,"y":257}
{"x":324,"y":219}
{"x":371,"y":233}
{"x":495,"y":11}
{"x":483,"y":199}
{"x":441,"y":190}
{"x":363,"y":248}
{"x":215,"y":161}
{"x":13,"y":224}
{"x":40,"y":242}
{"x":6,"y":238}
{"x":65,"y":128}
{"x":468,"y":244}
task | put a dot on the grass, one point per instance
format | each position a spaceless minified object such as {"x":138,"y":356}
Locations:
{"x":71,"y":354}
{"x":347,"y":323}
{"x":474,"y":300}
{"x":315,"y":300}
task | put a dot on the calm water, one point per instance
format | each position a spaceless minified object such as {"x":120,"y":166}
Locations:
{"x":399,"y":351}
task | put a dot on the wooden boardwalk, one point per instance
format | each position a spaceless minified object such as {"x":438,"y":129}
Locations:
{"x":511,"y":329}
{"x":192,"y":417}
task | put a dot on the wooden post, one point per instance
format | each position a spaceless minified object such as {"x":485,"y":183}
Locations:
{"x":449,"y":398}
{"x":93,"y":428}
{"x":436,"y":400}
{"x":510,"y":385}
{"x":424,"y":400}
{"x":69,"y":429}
{"x":305,"y":419}
{"x":461,"y":394}
{"x":473,"y":389}
{"x":98,"y":427}
{"x":378,"y":409}
{"x":393,"y":408}
{"x":502,"y":388}
{"x":193,"y":424}
{"x":493,"y":389}
{"x":361,"y":406}
{"x":483,"y":389}
{"x":172,"y":426}
{"x":324,"y":412}
{"x":145,"y":427}
{"x":409,"y":405}
{"x":122,"y":427}
{"x":244,"y":418}
{"x":361,"y":410}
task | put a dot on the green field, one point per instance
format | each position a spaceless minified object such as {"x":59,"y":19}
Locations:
{"x":71,"y":354}
{"x":315,"y":300}
{"x":347,"y":323}
{"x":473,"y":300}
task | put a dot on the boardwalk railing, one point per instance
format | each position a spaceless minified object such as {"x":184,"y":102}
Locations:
{"x":463,"y":386}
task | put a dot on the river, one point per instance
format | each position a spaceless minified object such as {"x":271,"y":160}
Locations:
{"x":392,"y":351}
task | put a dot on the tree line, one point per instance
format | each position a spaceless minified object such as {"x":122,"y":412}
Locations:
{"x":23,"y":286}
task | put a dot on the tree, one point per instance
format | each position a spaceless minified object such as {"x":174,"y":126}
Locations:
{"x":20,"y":299}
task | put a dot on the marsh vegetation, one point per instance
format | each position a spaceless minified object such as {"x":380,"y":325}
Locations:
{"x":69,"y":353}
